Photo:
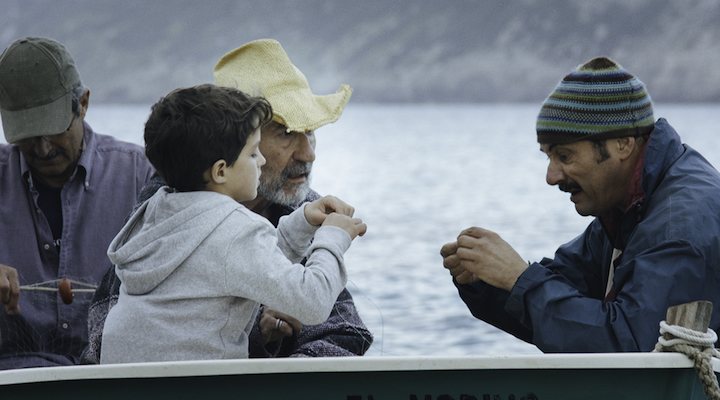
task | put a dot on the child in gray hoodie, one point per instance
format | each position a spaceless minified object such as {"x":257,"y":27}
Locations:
{"x":195,"y":263}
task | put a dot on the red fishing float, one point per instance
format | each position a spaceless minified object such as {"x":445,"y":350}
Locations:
{"x":65,"y":290}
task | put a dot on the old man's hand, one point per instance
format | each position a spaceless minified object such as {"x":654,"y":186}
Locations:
{"x":275,"y":325}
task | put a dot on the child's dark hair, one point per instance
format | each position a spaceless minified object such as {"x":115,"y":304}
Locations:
{"x":190,"y":129}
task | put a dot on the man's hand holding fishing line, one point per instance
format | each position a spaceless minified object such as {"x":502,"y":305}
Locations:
{"x":480,"y":254}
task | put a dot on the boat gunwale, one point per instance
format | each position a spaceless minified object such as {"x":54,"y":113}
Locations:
{"x":349,"y":364}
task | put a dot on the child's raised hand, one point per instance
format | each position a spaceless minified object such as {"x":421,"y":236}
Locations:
{"x":318,"y":210}
{"x":353,"y":226}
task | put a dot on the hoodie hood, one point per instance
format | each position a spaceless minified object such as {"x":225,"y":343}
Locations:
{"x":163,"y":233}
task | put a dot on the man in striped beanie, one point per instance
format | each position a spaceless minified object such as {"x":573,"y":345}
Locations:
{"x":653,"y":243}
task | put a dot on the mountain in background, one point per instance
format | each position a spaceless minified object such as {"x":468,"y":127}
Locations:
{"x":387,"y":50}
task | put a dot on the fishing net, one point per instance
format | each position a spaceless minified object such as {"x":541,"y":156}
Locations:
{"x":45,"y":331}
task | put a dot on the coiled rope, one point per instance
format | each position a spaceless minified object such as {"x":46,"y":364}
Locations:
{"x":699,"y":347}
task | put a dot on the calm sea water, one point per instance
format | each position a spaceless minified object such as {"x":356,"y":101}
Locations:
{"x":418,"y":174}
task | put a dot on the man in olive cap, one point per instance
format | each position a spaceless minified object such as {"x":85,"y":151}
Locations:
{"x":65,"y":192}
{"x":653,"y":243}
{"x":262,"y":68}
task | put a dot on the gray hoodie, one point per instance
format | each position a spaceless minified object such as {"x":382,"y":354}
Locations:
{"x":194,"y":268}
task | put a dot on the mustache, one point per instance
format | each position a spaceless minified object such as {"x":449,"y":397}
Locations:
{"x":296,"y":169}
{"x":569,"y":187}
{"x":50,"y":156}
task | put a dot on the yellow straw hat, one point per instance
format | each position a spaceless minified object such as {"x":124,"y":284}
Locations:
{"x":262,"y":68}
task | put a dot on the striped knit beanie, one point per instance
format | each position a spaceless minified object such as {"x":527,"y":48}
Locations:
{"x":598,"y":100}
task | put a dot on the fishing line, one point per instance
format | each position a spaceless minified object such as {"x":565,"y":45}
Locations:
{"x":382,"y":319}
{"x":63,"y":286}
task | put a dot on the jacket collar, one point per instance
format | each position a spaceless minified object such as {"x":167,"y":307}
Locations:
{"x":662,"y":149}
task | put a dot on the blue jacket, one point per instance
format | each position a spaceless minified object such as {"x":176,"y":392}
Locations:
{"x":671,"y":255}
